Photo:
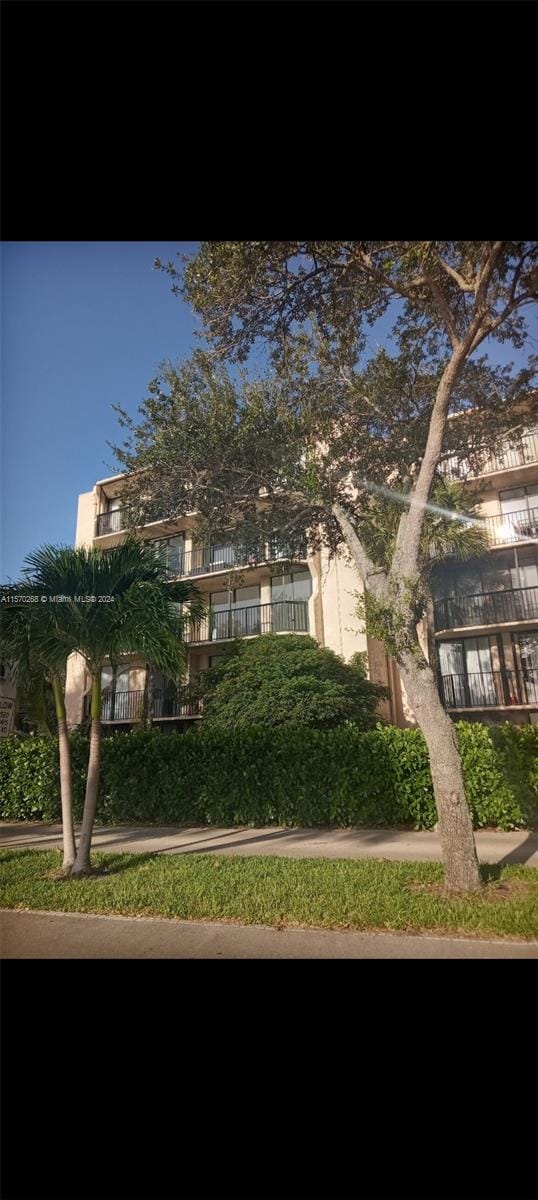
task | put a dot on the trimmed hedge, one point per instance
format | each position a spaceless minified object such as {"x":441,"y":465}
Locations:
{"x":288,"y":776}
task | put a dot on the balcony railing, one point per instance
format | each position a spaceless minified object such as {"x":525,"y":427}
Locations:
{"x":283,"y":616}
{"x":206,"y":560}
{"x":175,"y":704}
{"x":526,"y":451}
{"x":129,"y":706}
{"x":512,"y":527}
{"x":118,"y":706}
{"x":489,"y":689}
{"x":486,"y":608}
{"x":109,"y":522}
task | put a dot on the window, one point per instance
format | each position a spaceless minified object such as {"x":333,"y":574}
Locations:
{"x":467,"y":673}
{"x":525,"y":575}
{"x":525,"y":646}
{"x":119,"y":699}
{"x":235,"y":613}
{"x":107,"y":679}
{"x":519,"y":499}
{"x":291,"y":587}
{"x":115,"y":679}
{"x":286,"y":591}
{"x":221,"y":556}
{"x":523,"y":502}
{"x":113,"y":504}
{"x":171,"y":550}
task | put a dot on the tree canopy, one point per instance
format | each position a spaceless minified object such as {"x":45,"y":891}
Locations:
{"x":282,"y":679}
{"x":336,"y":433}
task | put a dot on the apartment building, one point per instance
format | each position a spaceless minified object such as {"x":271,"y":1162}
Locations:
{"x":482,"y":634}
{"x":485,"y":613}
{"x":271,"y":588}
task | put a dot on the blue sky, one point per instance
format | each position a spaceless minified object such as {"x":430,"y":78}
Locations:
{"x":84,"y":326}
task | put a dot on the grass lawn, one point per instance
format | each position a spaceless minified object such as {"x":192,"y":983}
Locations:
{"x":324,"y":893}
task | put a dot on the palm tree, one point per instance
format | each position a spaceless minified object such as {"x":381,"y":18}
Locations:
{"x":450,"y":529}
{"x":37,"y":650}
{"x":116,"y":602}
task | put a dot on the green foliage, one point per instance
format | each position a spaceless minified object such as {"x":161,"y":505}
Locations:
{"x":287,"y":775}
{"x":30,"y":777}
{"x":114,"y":602}
{"x":286,"y":679}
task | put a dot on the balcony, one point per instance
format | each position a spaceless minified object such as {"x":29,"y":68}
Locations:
{"x":284,"y":616}
{"x":109,"y":522}
{"x":486,"y":608}
{"x":129,"y":705}
{"x":519,"y":455}
{"x":118,"y":706}
{"x":207,"y":560}
{"x":175,"y":703}
{"x":507,"y":528}
{"x":490,"y":689}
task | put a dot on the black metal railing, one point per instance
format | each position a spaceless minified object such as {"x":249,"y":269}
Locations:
{"x":129,"y":706}
{"x":283,"y":616}
{"x":109,"y":522}
{"x":488,"y":689}
{"x":206,"y":560}
{"x":118,"y":706}
{"x":486,"y":608}
{"x":519,"y":455}
{"x":175,"y":703}
{"x":512,"y":527}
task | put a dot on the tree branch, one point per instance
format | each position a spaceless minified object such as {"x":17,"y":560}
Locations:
{"x":455,"y":275}
{"x":367,"y":569}
{"x":485,"y":274}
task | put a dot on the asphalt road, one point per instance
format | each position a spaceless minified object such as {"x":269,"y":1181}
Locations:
{"x":77,"y":935}
{"x":492,"y":847}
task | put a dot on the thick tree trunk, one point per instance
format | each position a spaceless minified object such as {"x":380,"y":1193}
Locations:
{"x":462,"y":872}
{"x":66,"y":790}
{"x":83,"y":865}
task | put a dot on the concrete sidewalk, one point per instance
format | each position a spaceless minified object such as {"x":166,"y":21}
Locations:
{"x":78,"y":935}
{"x":504,"y":848}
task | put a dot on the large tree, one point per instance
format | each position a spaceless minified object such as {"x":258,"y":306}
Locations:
{"x":336,"y":431}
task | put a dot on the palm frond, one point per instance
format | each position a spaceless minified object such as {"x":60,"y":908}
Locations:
{"x":105,"y":604}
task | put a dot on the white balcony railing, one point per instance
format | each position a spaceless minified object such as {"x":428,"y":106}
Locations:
{"x":519,"y":454}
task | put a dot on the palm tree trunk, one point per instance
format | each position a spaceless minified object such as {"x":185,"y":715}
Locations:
{"x":462,"y":872}
{"x":66,"y":789}
{"x":83,"y":865}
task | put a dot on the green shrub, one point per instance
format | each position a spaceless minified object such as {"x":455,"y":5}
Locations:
{"x":283,"y":679}
{"x":290,"y":776}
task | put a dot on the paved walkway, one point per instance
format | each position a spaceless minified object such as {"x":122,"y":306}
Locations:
{"x":520,"y":847}
{"x":77,"y":935}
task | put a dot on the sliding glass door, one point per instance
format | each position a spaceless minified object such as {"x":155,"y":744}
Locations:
{"x":235,"y":613}
{"x":467,"y":673}
{"x":526,"y":655}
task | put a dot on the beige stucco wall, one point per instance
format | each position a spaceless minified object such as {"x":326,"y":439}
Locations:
{"x":87,"y":511}
{"x":339,"y":584}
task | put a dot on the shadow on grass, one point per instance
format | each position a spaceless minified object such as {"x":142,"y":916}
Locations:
{"x":118,"y":864}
